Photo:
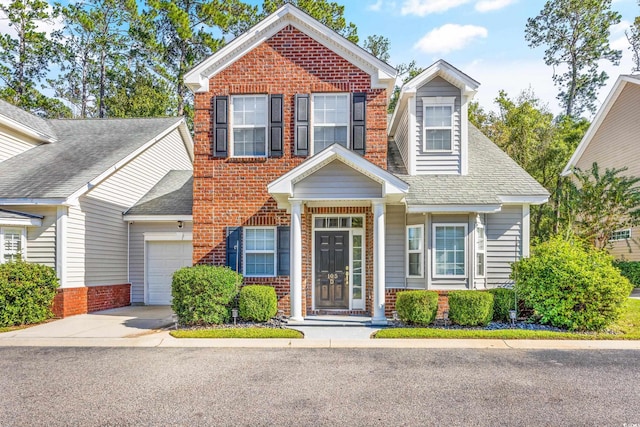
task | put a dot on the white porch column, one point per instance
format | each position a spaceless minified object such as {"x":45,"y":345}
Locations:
{"x":295,"y":259}
{"x":378,"y":263}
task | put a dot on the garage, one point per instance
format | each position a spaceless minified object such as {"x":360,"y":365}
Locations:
{"x":163,"y":258}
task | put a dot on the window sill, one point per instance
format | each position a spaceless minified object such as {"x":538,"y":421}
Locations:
{"x":247,"y":159}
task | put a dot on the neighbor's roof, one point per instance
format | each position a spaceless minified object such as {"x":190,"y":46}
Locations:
{"x":172,"y":195}
{"x":11,"y":116}
{"x":493,"y":178}
{"x":85,"y":149}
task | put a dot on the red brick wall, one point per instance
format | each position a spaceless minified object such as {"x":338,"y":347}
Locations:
{"x":233,"y":192}
{"x":72,"y":301}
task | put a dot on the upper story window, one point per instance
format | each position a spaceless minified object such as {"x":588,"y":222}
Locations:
{"x":438,"y":123}
{"x":11,"y":244}
{"x":330,"y":120}
{"x":249,"y":125}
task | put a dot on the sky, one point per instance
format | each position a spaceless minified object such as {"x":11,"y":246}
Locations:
{"x":482,"y":38}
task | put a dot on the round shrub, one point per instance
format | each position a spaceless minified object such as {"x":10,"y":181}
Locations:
{"x":202,"y":294}
{"x":571,"y":286}
{"x":417,"y":307}
{"x":258,"y":303}
{"x":503,"y":301}
{"x":26,"y":293}
{"x":470,"y":308}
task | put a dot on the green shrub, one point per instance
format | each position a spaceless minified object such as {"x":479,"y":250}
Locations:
{"x":503,"y":301}
{"x":630,"y":270}
{"x":470,"y":308}
{"x":26,"y":293}
{"x":417,"y":307}
{"x":258,"y":303}
{"x":571,"y":286}
{"x":202,"y":294}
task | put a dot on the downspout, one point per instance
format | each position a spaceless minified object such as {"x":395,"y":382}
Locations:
{"x":128,"y":252}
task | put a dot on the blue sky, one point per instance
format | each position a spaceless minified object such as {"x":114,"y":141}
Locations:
{"x":483,"y":38}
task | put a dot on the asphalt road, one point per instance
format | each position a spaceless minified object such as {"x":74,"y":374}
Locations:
{"x":286,"y":387}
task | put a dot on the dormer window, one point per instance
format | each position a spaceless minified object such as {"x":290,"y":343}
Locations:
{"x":438,"y":123}
{"x":330,"y":120}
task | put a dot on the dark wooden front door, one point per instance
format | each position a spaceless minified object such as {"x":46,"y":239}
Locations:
{"x":332,"y":269}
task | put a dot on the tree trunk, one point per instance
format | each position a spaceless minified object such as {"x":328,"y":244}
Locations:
{"x":102,"y":114}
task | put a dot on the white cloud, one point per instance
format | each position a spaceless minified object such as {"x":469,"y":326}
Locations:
{"x":425,"y":7}
{"x":449,"y":37}
{"x":375,"y":7}
{"x":491,"y":5}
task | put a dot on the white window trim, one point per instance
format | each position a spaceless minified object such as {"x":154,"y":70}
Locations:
{"x":480,"y":228}
{"x":414,"y":251}
{"x":312,"y":125}
{"x":466,"y":250}
{"x":616,"y":236}
{"x":232,"y":126}
{"x":274,"y":251}
{"x":438,"y":101}
{"x":23,"y":241}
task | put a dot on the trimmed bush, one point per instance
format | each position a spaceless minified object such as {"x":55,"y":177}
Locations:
{"x":203,"y":294}
{"x":470,"y":308}
{"x":630,"y":270}
{"x":26,"y":293}
{"x":258,"y":303}
{"x":572,"y":286}
{"x":503,"y":301}
{"x":417,"y":307}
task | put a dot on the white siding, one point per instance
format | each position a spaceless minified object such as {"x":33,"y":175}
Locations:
{"x":339,"y":181}
{"x":438,"y":163}
{"x":136,"y":257}
{"x":41,"y":241}
{"x":394,"y":247}
{"x":97,"y":235}
{"x":11,"y":144}
{"x":402,"y":136}
{"x":504,"y":243}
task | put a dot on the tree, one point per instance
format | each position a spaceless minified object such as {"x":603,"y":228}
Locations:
{"x":576,"y":36}
{"x":329,"y":13}
{"x":406,"y":72}
{"x":378,"y":46}
{"x":596,"y":204}
{"x":25,"y":56}
{"x":633,"y":35}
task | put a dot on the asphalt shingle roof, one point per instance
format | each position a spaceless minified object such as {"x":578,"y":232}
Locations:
{"x":172,"y":195}
{"x":84,"y":150}
{"x":27,"y":119}
{"x":492,"y":173}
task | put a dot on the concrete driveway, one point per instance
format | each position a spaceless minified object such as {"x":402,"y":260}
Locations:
{"x":125,"y":322}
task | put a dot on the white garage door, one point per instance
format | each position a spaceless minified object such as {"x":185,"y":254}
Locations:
{"x":163,"y":258}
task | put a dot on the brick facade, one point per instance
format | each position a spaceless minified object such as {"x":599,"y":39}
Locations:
{"x":232,"y":192}
{"x":72,"y":301}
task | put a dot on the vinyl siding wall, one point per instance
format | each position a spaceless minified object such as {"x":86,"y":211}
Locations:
{"x":394,"y":247}
{"x":616,"y":144}
{"x":337,"y":181}
{"x":11,"y":144}
{"x":435,"y":163}
{"x":97,"y":235}
{"x":41,"y":241}
{"x":136,"y":266}
{"x":504,"y":244}
{"x":402,"y":136}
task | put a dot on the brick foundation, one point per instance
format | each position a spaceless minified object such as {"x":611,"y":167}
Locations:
{"x":72,"y":301}
{"x":390,"y":302}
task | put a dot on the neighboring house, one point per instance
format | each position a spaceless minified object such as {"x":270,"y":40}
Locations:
{"x":613,"y":141}
{"x":64,"y":185}
{"x":297,"y":185}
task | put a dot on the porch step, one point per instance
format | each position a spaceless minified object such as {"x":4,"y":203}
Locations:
{"x":332,"y":320}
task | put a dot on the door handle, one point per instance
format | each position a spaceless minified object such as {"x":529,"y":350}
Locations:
{"x":346,"y":275}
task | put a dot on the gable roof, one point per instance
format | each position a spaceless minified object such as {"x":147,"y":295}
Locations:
{"x":172,"y":196}
{"x":493,"y":179}
{"x":382,"y":74}
{"x":25,"y":122}
{"x":86,"y":150}
{"x":611,"y":99}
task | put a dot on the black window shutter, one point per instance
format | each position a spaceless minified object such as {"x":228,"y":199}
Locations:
{"x":302,"y":125}
{"x":234,"y":248}
{"x":275,"y":125}
{"x":358,"y":122}
{"x":221,"y":126}
{"x":283,"y":251}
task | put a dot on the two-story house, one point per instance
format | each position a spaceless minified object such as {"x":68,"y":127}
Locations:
{"x":298,"y":185}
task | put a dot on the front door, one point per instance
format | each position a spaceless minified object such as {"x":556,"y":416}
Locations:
{"x":332,"y":269}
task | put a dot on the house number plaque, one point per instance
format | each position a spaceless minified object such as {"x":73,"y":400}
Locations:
{"x":332,"y":278}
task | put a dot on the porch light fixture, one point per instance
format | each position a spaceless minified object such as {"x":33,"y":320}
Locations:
{"x":394,"y":315}
{"x":234,"y":314}
{"x":445,"y":317}
{"x":280,"y":318}
{"x":512,"y":316}
{"x":180,"y":225}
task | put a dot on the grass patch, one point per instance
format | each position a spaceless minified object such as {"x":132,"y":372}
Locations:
{"x":237,"y":333}
{"x":626,"y":328}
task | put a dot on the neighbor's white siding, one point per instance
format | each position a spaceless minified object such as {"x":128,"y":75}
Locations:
{"x":394,"y":247}
{"x":337,"y":181}
{"x":136,"y":248}
{"x":504,"y":244}
{"x":402,"y":136}
{"x":97,"y":235}
{"x":41,"y":241}
{"x":12,"y":144}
